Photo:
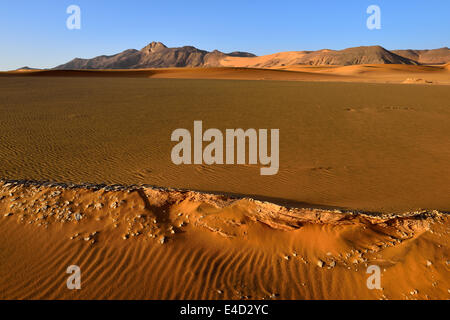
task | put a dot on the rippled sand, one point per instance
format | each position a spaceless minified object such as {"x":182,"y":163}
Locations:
{"x":376,"y":147}
{"x":150,"y":243}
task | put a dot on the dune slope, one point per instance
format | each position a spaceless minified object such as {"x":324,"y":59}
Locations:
{"x":141,"y":242}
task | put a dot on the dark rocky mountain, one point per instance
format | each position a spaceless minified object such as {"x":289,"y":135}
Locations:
{"x":352,"y":56}
{"x":436,"y":56}
{"x":157,"y":55}
{"x":154,"y":55}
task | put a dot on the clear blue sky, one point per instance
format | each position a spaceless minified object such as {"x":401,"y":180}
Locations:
{"x":34,"y":32}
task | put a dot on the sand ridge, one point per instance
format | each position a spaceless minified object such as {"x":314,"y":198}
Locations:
{"x":375,"y":73}
{"x":145,"y":242}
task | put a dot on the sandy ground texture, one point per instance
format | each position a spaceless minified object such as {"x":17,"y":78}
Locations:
{"x":141,"y":242}
{"x":365,"y":146}
{"x":363,"y":181}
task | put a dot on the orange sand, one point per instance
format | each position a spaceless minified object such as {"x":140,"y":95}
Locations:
{"x":384,"y":73}
{"x":147,"y":243}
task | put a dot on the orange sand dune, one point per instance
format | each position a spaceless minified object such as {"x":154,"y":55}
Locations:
{"x":388,"y":73}
{"x":383,"y":73}
{"x":148,"y":243}
{"x":183,"y":73}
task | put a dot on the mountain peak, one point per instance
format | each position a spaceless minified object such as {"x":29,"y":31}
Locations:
{"x":154,"y":46}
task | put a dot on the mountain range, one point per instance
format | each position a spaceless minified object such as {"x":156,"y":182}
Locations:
{"x":157,"y":55}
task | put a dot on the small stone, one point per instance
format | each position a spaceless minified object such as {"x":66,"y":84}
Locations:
{"x":8,"y":214}
{"x":162,"y":240}
{"x":87,"y":239}
{"x":320,"y":263}
{"x":429,"y":263}
{"x":98,"y":205}
{"x":125,"y":237}
{"x":286,"y":257}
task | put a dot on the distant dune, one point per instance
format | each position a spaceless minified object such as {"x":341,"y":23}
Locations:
{"x":157,"y":55}
{"x":270,"y":70}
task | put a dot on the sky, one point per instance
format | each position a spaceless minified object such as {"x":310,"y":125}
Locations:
{"x":34,"y":32}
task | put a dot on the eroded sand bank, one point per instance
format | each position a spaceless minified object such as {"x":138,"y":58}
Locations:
{"x":142,"y":242}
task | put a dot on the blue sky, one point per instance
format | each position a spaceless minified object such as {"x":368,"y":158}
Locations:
{"x":34,"y":32}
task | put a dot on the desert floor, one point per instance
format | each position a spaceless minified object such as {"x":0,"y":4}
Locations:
{"x":363,"y":180}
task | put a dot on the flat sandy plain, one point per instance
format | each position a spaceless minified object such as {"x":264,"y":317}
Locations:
{"x":364,"y":179}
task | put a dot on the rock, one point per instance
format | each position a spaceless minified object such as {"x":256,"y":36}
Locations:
{"x":429,"y":263}
{"x":8,"y":214}
{"x":286,"y":257}
{"x":320,"y":263}
{"x":162,"y":240}
{"x":78,"y":216}
{"x":98,"y":206}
